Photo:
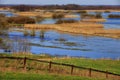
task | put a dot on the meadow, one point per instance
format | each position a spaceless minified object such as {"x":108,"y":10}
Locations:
{"x":14,"y":69}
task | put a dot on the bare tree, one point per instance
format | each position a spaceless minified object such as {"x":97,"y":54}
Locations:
{"x":18,"y":45}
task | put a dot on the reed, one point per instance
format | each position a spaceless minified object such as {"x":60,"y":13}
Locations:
{"x":32,"y":33}
{"x":79,"y":28}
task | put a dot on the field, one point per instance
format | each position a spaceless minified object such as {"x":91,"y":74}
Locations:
{"x":36,"y":28}
{"x":34,"y":76}
{"x":13,"y":69}
{"x":101,"y":64}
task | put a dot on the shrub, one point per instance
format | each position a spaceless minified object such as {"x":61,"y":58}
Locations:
{"x":1,"y":40}
{"x":87,"y":16}
{"x":32,"y":33}
{"x":82,"y":11}
{"x":114,"y":16}
{"x":3,"y":22}
{"x":39,"y":18}
{"x":26,"y":33}
{"x":106,"y":11}
{"x":98,"y":16}
{"x":57,"y":16}
{"x":21,"y":20}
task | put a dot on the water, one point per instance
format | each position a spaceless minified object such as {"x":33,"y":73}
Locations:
{"x":48,"y":21}
{"x":112,"y":24}
{"x":63,"y":44}
{"x":53,"y":21}
{"x":109,"y":24}
{"x":7,"y":13}
{"x":93,"y":47}
{"x":55,"y":43}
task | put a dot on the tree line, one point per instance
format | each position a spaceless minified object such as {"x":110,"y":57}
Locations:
{"x":65,"y":7}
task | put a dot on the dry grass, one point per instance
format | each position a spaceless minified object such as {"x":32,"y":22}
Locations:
{"x":28,"y":13}
{"x":94,"y":20}
{"x":70,"y":16}
{"x":44,"y":15}
{"x":78,"y":28}
{"x":8,"y":65}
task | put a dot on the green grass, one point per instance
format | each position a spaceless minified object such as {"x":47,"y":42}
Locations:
{"x":100,"y":64}
{"x":35,"y":56}
{"x":34,"y":76}
{"x":33,"y":68}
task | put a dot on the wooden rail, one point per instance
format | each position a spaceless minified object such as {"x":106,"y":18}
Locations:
{"x":63,"y":64}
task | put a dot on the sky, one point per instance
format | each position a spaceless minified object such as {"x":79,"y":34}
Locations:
{"x":49,"y":2}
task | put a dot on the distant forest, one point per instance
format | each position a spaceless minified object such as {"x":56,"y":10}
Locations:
{"x":65,"y":7}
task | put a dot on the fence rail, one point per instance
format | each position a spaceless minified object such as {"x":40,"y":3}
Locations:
{"x":63,"y":64}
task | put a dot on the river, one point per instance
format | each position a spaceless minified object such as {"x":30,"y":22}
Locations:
{"x":64,"y":44}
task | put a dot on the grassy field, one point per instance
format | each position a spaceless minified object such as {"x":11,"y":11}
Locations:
{"x":100,"y":64}
{"x":13,"y":69}
{"x":34,"y":76}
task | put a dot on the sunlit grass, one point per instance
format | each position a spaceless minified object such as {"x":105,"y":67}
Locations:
{"x":33,"y":76}
{"x":100,"y":64}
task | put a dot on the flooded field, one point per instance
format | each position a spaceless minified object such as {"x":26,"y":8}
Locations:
{"x":64,"y":44}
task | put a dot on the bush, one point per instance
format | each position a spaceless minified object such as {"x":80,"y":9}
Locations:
{"x":21,"y":20}
{"x":82,"y":11}
{"x":87,"y":15}
{"x":106,"y":11}
{"x":3,"y":22}
{"x":57,"y":16}
{"x":32,"y":33}
{"x":114,"y":16}
{"x":39,"y":18}
{"x":1,"y":40}
{"x":98,"y":16}
{"x":65,"y":21}
{"x":26,"y":33}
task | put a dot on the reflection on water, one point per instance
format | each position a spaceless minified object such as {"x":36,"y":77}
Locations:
{"x":55,"y":43}
{"x":110,"y":23}
{"x":7,"y":13}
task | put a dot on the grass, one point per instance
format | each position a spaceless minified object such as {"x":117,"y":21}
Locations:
{"x":34,"y":76}
{"x":34,"y":56}
{"x":13,"y":69}
{"x":101,"y":64}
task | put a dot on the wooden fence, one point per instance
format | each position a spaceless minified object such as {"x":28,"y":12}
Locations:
{"x":72,"y":67}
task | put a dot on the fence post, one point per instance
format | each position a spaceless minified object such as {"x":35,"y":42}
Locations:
{"x":24,"y":63}
{"x":106,"y":74}
{"x":90,"y":72}
{"x":72,"y":67}
{"x":50,"y":65}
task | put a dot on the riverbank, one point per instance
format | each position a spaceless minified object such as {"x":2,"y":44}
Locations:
{"x":78,"y":28}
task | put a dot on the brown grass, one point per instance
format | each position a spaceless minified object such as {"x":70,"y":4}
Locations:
{"x":78,"y":28}
{"x":94,"y":20}
{"x":8,"y":65}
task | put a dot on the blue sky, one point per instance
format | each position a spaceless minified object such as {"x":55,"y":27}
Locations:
{"x":81,"y":2}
